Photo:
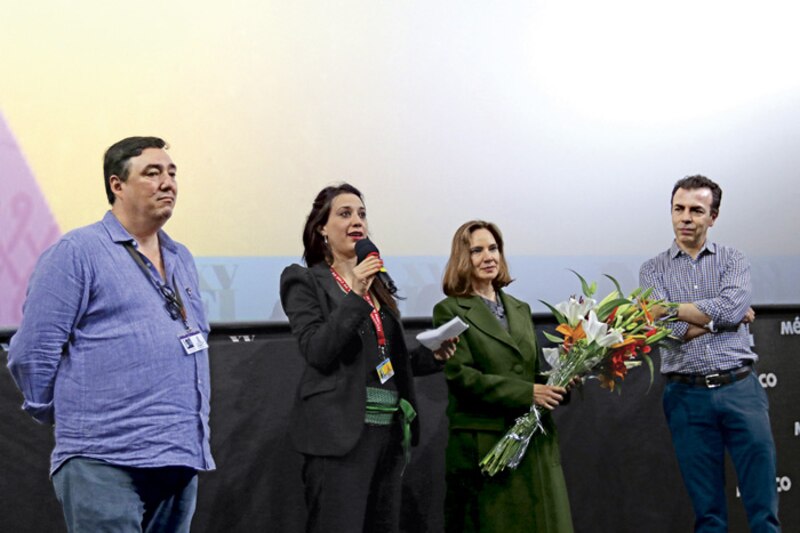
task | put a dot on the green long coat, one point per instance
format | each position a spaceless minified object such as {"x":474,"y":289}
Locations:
{"x":490,"y":380}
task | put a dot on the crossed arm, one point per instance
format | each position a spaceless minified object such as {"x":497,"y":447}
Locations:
{"x":725,"y":310}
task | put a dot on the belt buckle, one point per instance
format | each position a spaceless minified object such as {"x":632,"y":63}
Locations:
{"x":709,"y":384}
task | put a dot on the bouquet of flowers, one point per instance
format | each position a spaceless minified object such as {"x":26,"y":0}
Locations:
{"x":598,"y":339}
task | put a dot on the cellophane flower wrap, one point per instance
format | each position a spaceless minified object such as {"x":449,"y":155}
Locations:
{"x":596,"y":339}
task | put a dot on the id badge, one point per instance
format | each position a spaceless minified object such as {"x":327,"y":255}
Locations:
{"x":385,"y":370}
{"x":193,"y":342}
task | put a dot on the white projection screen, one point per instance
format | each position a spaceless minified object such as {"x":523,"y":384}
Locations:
{"x":566,"y":123}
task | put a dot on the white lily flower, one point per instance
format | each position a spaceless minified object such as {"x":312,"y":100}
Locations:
{"x":599,"y":332}
{"x":575,"y":309}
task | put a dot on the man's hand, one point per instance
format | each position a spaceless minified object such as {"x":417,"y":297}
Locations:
{"x":658,"y":311}
{"x":693,"y":332}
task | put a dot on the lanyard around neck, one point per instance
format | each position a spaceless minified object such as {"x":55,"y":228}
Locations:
{"x":374,"y":315}
{"x":172,"y":297}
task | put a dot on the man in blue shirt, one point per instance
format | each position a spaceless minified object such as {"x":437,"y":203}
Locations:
{"x":712,"y":399}
{"x":112,"y":350}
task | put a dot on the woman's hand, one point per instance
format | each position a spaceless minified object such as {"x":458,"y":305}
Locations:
{"x":446,"y":350}
{"x":548,"y":396}
{"x":576,"y":381}
{"x":364,"y":273}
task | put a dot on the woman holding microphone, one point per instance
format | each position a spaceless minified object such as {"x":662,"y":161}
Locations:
{"x":353,"y":418}
{"x":492,"y":379}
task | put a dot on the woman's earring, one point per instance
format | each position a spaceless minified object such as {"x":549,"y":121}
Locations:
{"x":325,"y":238}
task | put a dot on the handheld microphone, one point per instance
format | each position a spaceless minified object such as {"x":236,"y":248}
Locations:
{"x":366,"y":248}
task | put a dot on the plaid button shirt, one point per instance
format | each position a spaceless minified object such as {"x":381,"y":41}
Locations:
{"x":718,"y":284}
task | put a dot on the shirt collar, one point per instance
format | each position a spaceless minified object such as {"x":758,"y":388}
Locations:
{"x":709,"y":247}
{"x":119,"y":234}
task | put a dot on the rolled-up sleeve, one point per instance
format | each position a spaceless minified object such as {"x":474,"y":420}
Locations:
{"x":56,"y":295}
{"x":733,"y":299}
{"x":651,"y":278}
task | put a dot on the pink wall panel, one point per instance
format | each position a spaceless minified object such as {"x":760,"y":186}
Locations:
{"x":27,"y":227}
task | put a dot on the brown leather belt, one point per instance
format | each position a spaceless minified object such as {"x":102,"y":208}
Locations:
{"x":712,"y":381}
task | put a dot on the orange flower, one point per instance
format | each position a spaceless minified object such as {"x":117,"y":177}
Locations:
{"x":606,"y":382}
{"x":571,"y":335}
{"x":647,"y":314}
{"x":626,"y":342}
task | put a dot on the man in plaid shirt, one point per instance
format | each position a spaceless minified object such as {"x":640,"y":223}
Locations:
{"x":713,"y":399}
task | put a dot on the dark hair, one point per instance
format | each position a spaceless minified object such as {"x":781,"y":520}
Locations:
{"x":316,"y":250}
{"x":458,"y":272}
{"x":115,"y":161}
{"x":700,"y":182}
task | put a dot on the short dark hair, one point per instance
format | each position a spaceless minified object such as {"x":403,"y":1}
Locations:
{"x":700,"y":182}
{"x":458,"y":271}
{"x":115,"y":160}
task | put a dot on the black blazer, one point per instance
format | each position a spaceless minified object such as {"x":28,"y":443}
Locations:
{"x":331,"y":327}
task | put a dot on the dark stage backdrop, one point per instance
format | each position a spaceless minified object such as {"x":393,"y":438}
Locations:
{"x":616,"y":451}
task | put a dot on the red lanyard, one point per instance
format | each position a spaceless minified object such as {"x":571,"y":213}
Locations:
{"x":374,"y":315}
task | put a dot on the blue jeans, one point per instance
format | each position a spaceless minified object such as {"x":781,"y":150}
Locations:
{"x":100,"y":497}
{"x":704,"y":422}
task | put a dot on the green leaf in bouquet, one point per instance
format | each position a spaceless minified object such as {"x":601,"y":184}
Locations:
{"x":588,"y":290}
{"x":646,"y":293}
{"x":606,"y":309}
{"x":613,"y":295}
{"x":560,"y":318}
{"x":658,"y":336}
{"x":622,"y":314}
{"x":616,"y":284}
{"x":553,"y":338}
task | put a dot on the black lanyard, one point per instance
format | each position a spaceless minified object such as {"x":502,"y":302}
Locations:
{"x":174,"y":304}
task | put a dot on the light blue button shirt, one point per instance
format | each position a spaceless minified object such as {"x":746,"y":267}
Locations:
{"x":98,"y":354}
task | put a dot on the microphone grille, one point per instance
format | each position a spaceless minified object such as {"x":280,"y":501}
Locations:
{"x":364,"y":247}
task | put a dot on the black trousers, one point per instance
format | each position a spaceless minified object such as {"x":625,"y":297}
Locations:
{"x":358,"y":492}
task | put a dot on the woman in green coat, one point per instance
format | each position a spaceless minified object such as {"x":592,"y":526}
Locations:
{"x":492,"y":379}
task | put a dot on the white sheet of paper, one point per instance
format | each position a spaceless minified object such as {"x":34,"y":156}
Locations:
{"x":433,"y":338}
